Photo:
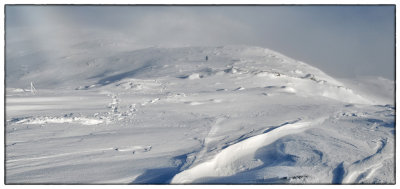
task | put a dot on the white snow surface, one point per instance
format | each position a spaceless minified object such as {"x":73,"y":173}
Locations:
{"x":111,"y":113}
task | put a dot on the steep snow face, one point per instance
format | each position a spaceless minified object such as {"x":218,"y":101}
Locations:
{"x":106,"y":112}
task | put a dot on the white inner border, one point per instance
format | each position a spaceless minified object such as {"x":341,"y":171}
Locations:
{"x":177,"y":2}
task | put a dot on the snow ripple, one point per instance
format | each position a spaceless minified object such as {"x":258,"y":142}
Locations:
{"x":45,"y":120}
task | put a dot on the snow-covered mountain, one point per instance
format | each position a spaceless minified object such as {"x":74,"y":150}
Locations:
{"x":105,"y":112}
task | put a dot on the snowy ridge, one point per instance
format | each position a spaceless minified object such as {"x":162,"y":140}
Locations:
{"x":188,"y":63}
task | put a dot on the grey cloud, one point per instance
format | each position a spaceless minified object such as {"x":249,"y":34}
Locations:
{"x":344,"y":41}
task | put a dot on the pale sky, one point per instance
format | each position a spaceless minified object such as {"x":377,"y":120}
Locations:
{"x":343,"y":41}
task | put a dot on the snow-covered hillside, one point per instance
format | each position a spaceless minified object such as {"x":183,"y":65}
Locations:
{"x":106,"y":112}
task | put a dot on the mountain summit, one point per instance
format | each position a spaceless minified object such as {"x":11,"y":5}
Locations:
{"x":253,"y":66}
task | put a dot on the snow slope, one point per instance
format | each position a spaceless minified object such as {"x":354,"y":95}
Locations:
{"x":377,"y":89}
{"x":166,"y":115}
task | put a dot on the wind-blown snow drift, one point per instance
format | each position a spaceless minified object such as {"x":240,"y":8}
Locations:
{"x":230,"y":160}
{"x":112,"y":114}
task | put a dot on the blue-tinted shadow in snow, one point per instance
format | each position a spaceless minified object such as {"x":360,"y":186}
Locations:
{"x":118,"y":77}
{"x":338,"y":174}
{"x":163,"y":175}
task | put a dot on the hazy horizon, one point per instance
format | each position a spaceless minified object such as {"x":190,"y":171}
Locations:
{"x":343,"y":41}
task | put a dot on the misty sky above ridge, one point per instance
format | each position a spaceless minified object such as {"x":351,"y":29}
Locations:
{"x":343,"y":41}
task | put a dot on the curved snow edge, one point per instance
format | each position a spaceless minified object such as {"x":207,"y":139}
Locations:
{"x":228,"y":161}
